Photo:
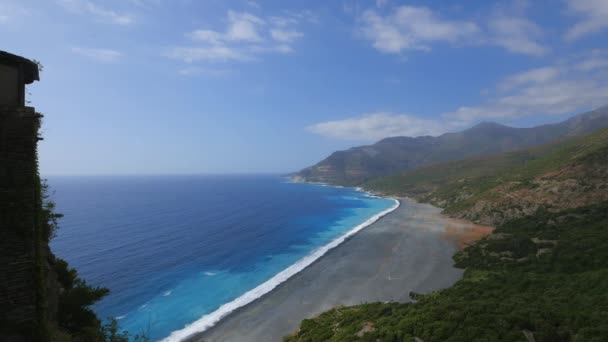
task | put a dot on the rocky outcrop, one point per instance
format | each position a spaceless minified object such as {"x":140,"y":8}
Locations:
{"x":573,"y":186}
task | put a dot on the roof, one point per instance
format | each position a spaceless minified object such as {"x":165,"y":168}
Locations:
{"x":30,"y":68}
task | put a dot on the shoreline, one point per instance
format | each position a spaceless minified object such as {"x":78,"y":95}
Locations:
{"x":405,"y":251}
{"x":210,"y":320}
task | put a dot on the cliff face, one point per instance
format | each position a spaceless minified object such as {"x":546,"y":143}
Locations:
{"x":23,"y":261}
{"x":399,"y":154}
{"x":41,"y":297}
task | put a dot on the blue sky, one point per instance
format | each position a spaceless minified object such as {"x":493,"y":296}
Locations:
{"x":217,"y":86}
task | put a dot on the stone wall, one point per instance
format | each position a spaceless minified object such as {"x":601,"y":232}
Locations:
{"x":22,"y":302}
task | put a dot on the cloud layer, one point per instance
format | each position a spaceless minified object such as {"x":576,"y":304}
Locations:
{"x":552,"y":90}
{"x":375,"y":126}
{"x":245,"y":37}
{"x":98,"y":55}
{"x":594,"y":15}
{"x":406,"y":28}
{"x":558,"y":89}
{"x":96,"y":12}
{"x":412,"y":28}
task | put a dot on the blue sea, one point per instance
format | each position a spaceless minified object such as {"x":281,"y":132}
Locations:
{"x":179,"y":251}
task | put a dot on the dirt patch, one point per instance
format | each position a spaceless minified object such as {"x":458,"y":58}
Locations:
{"x":464,"y":233}
{"x":367,"y":327}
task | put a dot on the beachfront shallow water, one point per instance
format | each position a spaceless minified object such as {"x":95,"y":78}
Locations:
{"x":174,"y":249}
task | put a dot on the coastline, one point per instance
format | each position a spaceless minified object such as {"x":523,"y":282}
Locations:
{"x":405,"y":251}
{"x":209,"y":321}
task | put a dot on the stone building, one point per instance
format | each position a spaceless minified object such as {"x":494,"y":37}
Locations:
{"x":22,"y":248}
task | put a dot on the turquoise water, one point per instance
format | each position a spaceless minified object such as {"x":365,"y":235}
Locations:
{"x":186,"y":250}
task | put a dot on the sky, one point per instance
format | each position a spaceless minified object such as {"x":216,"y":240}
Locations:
{"x":272,"y":86}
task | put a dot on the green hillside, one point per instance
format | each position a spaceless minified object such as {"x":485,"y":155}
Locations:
{"x":541,"y":276}
{"x":358,"y":165}
{"x":532,"y":277}
{"x":516,"y":182}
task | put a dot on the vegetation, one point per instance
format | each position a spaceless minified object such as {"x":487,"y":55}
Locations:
{"x":511,"y":182}
{"x":358,"y":165}
{"x":75,"y":320}
{"x":541,"y":276}
{"x":545,"y":276}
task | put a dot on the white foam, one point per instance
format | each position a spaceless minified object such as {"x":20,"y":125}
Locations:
{"x":211,"y":319}
{"x":210,"y":273}
{"x":121,"y":317}
{"x":166,"y":294}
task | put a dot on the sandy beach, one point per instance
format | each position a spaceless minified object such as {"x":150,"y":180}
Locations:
{"x":409,"y":249}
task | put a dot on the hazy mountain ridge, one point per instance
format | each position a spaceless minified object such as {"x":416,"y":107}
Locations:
{"x":495,"y":189}
{"x":541,"y":275}
{"x":397,"y":154}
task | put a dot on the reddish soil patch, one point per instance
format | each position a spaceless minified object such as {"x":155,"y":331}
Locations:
{"x":464,"y":233}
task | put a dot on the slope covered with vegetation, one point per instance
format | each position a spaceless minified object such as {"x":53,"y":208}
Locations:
{"x":541,"y":276}
{"x":357,"y":165}
{"x":492,"y":190}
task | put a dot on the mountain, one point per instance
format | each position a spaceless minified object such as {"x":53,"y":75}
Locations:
{"x":391,"y":155}
{"x":540,"y":276}
{"x":495,"y":189}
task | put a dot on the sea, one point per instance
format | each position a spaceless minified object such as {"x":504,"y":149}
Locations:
{"x":179,"y":253}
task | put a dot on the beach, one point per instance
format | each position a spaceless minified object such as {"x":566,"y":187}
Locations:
{"x":410,"y":249}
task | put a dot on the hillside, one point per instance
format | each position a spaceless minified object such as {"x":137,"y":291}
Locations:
{"x":541,"y":275}
{"x":398,"y":154}
{"x":541,"y":278}
{"x":494,"y":189}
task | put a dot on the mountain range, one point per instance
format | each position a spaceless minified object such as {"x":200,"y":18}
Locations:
{"x":357,"y":165}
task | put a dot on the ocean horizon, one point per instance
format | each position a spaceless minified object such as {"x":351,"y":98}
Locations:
{"x":178,"y":253}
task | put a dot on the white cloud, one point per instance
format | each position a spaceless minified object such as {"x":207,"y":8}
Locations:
{"x":516,"y":34}
{"x":285,"y":36}
{"x":418,"y":28}
{"x":412,"y":28}
{"x":96,"y":12}
{"x":209,"y":72}
{"x":533,"y":76}
{"x":13,"y":11}
{"x":593,"y":64}
{"x":565,"y":88}
{"x":307,"y":16}
{"x":595,"y":17}
{"x":556,"y":98}
{"x":243,"y":27}
{"x":213,"y":53}
{"x":283,"y":21}
{"x":377,"y":126}
{"x":99,"y":55}
{"x":207,"y":36}
{"x":245,"y":37}
{"x":552,"y":90}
